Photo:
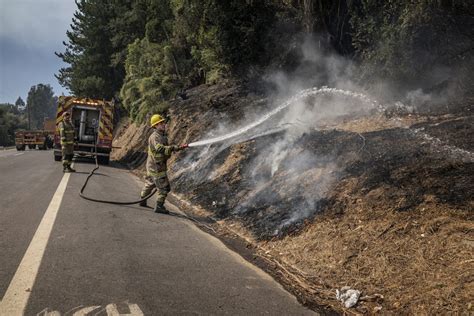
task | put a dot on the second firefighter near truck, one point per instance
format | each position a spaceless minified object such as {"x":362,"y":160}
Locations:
{"x":158,"y":153}
{"x":66,"y":132}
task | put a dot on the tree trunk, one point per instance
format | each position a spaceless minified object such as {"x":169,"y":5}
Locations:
{"x":308,"y":21}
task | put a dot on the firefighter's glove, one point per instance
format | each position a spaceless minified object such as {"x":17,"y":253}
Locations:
{"x":180,"y":147}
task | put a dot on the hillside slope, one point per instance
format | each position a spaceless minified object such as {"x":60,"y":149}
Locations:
{"x":380,"y":201}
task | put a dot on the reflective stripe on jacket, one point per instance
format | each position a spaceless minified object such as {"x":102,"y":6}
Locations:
{"x":158,"y":154}
{"x":66,"y":131}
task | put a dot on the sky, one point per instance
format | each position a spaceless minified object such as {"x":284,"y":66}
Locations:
{"x":30,"y":32}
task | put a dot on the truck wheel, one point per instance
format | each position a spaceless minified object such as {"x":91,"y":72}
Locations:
{"x":32,"y":146}
{"x":20,"y":147}
{"x":57,"y":158}
{"x":103,"y":160}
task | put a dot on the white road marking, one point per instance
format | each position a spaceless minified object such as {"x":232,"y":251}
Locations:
{"x":16,"y":297}
{"x":85,"y":311}
{"x":110,"y":310}
{"x":113,"y":311}
{"x":46,"y":312}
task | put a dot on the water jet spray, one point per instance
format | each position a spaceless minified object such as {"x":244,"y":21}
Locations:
{"x":301,"y":95}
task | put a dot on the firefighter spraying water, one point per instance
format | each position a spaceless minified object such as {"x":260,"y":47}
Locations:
{"x":158,"y":153}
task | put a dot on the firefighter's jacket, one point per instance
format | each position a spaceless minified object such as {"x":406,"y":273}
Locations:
{"x":158,"y":153}
{"x":66,"y":131}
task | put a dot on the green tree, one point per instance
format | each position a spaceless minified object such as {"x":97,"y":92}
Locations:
{"x":9,"y":123}
{"x":96,"y":47}
{"x":407,"y":40}
{"x":20,"y":105}
{"x":41,"y":104}
{"x":189,"y":42}
{"x":88,"y":52}
{"x":5,"y":138}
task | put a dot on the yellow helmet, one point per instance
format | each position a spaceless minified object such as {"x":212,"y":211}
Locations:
{"x":155,"y":119}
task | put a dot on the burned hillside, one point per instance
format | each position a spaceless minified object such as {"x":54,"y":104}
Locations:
{"x":381,"y":201}
{"x":410,"y":163}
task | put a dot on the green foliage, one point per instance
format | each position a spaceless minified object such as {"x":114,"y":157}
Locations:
{"x":150,"y":50}
{"x":148,"y":83}
{"x":10,"y":121}
{"x":404,"y":40}
{"x":189,"y":42}
{"x":97,"y":43}
{"x":241,"y":29}
{"x":41,"y":104}
{"x":20,"y":105}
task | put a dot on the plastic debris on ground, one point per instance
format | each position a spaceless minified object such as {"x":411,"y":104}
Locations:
{"x":349,"y":297}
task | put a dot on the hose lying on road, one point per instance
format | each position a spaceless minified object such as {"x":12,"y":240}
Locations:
{"x":82,"y":195}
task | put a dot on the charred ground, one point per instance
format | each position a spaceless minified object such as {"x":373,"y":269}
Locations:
{"x":382,"y":203}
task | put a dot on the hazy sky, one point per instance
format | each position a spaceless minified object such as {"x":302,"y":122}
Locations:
{"x":30,"y":32}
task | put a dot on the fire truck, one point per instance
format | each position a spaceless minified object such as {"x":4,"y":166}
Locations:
{"x":93,"y":126}
{"x":41,"y":139}
{"x":32,"y":139}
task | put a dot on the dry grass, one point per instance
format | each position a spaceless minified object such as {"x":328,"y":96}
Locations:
{"x":420,"y":261}
{"x":228,"y":167}
{"x":417,"y":262}
{"x":378,"y":122}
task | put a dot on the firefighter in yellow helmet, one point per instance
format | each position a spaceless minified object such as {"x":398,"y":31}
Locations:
{"x":66,"y":132}
{"x":158,"y":153}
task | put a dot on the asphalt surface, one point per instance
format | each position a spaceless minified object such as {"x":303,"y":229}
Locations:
{"x":102,"y":259}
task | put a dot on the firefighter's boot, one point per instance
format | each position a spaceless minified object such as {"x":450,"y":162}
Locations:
{"x":160,"y":208}
{"x":69,"y":169}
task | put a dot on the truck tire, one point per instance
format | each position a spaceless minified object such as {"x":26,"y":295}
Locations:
{"x":57,"y":157}
{"x":20,"y":147}
{"x":103,"y":160}
{"x":32,"y":146}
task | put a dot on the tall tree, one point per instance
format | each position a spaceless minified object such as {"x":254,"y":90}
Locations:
{"x":9,"y":123}
{"x":96,"y":47}
{"x":20,"y":105}
{"x":41,"y":104}
{"x":88,"y":51}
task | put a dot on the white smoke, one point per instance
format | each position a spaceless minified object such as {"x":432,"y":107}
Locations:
{"x":317,"y":95}
{"x":281,"y":172}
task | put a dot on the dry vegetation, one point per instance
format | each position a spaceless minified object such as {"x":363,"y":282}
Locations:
{"x":396,"y":222}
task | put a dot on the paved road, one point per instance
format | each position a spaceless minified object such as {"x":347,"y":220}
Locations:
{"x":62,"y":255}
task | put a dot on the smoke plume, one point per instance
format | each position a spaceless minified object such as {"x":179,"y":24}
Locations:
{"x":286,"y":182}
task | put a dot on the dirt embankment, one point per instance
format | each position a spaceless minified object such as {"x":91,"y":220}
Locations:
{"x":381,"y":204}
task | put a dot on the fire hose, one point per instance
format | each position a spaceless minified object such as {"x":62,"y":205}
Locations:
{"x":82,"y":195}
